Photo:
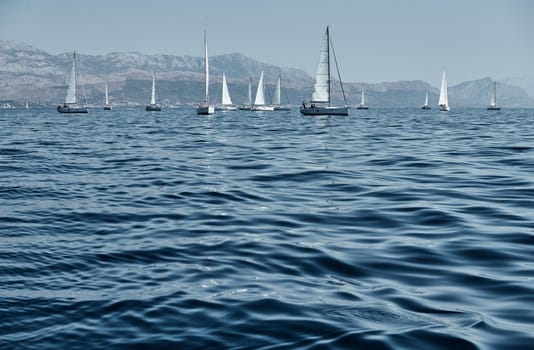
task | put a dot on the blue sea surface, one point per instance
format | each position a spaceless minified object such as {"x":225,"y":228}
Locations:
{"x":386,"y":229}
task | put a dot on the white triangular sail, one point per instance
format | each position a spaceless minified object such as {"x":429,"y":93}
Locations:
{"x":443,"y":98}
{"x":71,"y":91}
{"x":493,"y":99}
{"x":362,"y":101}
{"x":426,"y":100}
{"x":207,"y":68}
{"x":321,"y":88}
{"x":153,"y":96}
{"x":226,"y":99}
{"x":277,"y":97}
{"x":107,"y":98}
{"x":260,"y":93}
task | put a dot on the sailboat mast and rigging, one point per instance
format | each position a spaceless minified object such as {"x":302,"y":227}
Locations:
{"x":443,"y":96}
{"x":321,"y":103}
{"x":153,"y":106}
{"x":493,"y":100}
{"x":205,"y":108}
{"x":107,"y":106}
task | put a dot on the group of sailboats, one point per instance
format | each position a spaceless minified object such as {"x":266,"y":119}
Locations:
{"x":320,"y":103}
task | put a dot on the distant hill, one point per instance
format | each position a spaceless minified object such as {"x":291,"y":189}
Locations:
{"x":30,"y":74}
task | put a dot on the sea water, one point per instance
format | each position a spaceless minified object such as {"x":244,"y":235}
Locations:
{"x":386,"y":229}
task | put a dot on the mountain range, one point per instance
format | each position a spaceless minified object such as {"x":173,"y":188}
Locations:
{"x":31,"y":74}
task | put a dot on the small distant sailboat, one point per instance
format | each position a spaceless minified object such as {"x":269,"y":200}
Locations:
{"x":70,"y":105}
{"x":226,"y":101}
{"x":259,"y":101}
{"x":107,"y":106}
{"x":27,"y":106}
{"x":205,"y":108}
{"x":443,"y":97}
{"x":493,"y":100}
{"x":248,"y":107}
{"x":362,"y":101}
{"x":426,"y":106}
{"x":322,"y":86}
{"x":277,"y":99}
{"x":153,"y":106}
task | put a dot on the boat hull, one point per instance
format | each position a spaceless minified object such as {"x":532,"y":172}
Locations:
{"x":362,"y":107}
{"x":425,"y":107}
{"x":325,"y":110}
{"x":262,"y":108}
{"x":444,"y":108}
{"x":107,"y":108}
{"x":245,"y":108}
{"x":153,"y":108}
{"x":205,"y":110}
{"x":225,"y":108}
{"x":71,"y":109}
{"x":493,"y":108}
{"x":282,"y":108}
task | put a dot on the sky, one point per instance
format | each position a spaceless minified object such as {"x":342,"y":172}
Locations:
{"x":374,"y":40}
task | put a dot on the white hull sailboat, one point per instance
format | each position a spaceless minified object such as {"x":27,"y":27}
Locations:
{"x":153,"y":106}
{"x":321,"y":103}
{"x":107,"y":106}
{"x":426,"y":106}
{"x":205,"y":108}
{"x":493,"y":100}
{"x":248,"y":107}
{"x":277,"y":98}
{"x":362,"y":101}
{"x":226,"y":101}
{"x":259,"y":101}
{"x":70,"y":105}
{"x":443,"y":96}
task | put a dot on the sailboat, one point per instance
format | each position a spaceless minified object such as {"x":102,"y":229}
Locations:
{"x":322,"y":86}
{"x":107,"y":106}
{"x":248,"y":107}
{"x":493,"y":100}
{"x":426,"y":106}
{"x":205,"y":108}
{"x":226,"y":101}
{"x":153,"y":106}
{"x":259,"y":101}
{"x":70,"y":105}
{"x":277,"y":99}
{"x":27,"y":106}
{"x":443,"y":98}
{"x":362,"y":102}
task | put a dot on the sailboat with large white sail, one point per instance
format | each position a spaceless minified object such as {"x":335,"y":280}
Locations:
{"x":70,"y":105}
{"x":277,"y":97}
{"x":248,"y":107}
{"x":321,"y":103}
{"x":107,"y":106}
{"x":204,"y":107}
{"x":153,"y":106}
{"x":493,"y":99}
{"x":362,"y":101}
{"x":226,"y":100}
{"x":426,"y":106}
{"x":443,"y":97}
{"x":259,"y":101}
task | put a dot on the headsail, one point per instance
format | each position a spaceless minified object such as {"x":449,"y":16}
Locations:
{"x":153,"y":97}
{"x":362,"y":101}
{"x":426,"y":99}
{"x":493,"y":100}
{"x":226,"y":99}
{"x":107,"y":98}
{"x":277,"y":92}
{"x":321,"y":88}
{"x":71,"y":91}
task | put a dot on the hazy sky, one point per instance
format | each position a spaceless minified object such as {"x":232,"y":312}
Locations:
{"x":378,"y":40}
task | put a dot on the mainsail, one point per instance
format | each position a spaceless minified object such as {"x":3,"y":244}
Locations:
{"x":443,"y":98}
{"x":277,"y":92}
{"x":321,"y":88}
{"x":71,"y":91}
{"x":107,"y":98}
{"x":362,"y":101}
{"x":260,"y":93}
{"x":493,"y":100}
{"x":207,"y":68}
{"x":426,"y":99}
{"x":153,"y":97}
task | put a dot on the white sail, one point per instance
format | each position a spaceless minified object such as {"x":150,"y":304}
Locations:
{"x":277,"y":100}
{"x":426,"y":100}
{"x":321,"y":88}
{"x":71,"y":91}
{"x":226,"y":99}
{"x":260,"y":93}
{"x":107,"y":98}
{"x":153,"y":96}
{"x":493,"y":100}
{"x":207,"y":68}
{"x":443,"y":98}
{"x":362,"y":101}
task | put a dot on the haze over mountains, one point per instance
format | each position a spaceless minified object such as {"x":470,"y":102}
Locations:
{"x":30,"y":74}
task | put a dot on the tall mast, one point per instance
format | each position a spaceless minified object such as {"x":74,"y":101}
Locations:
{"x":328,"y":52}
{"x":206,"y":64}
